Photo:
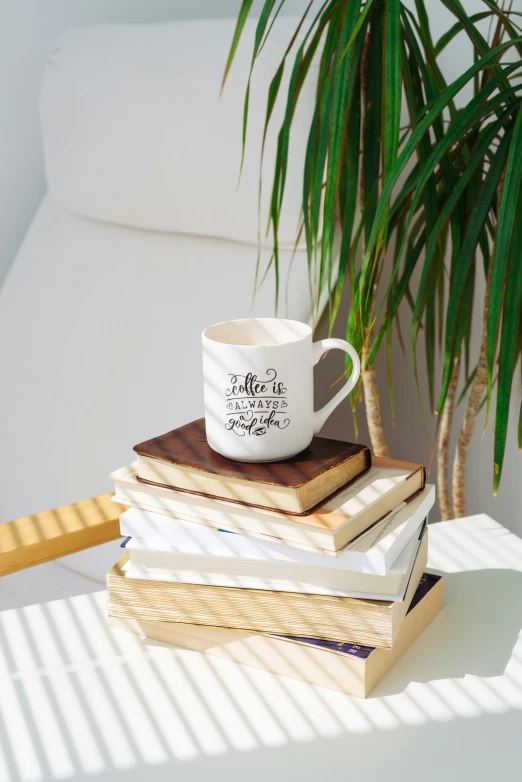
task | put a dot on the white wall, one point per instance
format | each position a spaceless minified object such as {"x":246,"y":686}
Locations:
{"x":28,"y":31}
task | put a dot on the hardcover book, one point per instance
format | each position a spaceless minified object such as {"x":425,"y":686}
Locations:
{"x":354,"y":509}
{"x":182,"y":459}
{"x":336,"y":665}
{"x":369,"y":622}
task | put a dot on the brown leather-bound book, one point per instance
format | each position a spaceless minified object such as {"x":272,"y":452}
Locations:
{"x":183,"y":460}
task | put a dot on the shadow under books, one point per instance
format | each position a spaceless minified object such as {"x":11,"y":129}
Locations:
{"x":474,"y":634}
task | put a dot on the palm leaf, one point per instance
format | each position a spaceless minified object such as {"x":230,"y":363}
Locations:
{"x":392,"y":80}
{"x":423,"y":125}
{"x":457,"y":28}
{"x":506,"y":219}
{"x":509,"y":341}
{"x":449,"y":205}
{"x":362,"y":19}
{"x":342,"y":91}
{"x":241,"y":19}
{"x":470,"y":241}
{"x":475,"y":111}
{"x":371,"y":156}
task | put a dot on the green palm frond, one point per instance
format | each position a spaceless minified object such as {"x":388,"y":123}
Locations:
{"x":419,"y":212}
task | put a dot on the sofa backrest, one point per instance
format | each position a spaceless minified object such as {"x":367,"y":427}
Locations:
{"x":135,"y":131}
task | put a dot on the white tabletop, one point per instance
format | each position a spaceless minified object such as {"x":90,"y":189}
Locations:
{"x":80,"y":701}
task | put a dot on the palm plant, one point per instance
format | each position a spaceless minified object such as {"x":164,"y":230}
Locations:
{"x":411,"y":215}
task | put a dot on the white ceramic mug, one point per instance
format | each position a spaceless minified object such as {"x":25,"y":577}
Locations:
{"x":258,"y":387}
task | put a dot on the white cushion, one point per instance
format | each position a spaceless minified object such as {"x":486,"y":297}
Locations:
{"x":134,"y":130}
{"x":100,"y":342}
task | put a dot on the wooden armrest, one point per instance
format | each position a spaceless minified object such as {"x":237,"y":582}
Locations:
{"x":54,"y":533}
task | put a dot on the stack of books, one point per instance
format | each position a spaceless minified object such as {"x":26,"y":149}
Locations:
{"x":311,"y":567}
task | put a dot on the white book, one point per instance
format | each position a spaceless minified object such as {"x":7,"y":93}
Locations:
{"x":379,"y":547}
{"x":342,"y":519}
{"x":375,"y":552}
{"x":368,"y":586}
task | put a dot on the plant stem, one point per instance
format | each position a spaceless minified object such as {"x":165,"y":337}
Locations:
{"x":371,"y":402}
{"x":368,"y":376}
{"x":472,"y":409}
{"x":443,"y":444}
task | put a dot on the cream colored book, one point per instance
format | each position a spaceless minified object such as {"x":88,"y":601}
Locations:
{"x":346,"y":667}
{"x":370,"y":622}
{"x":351,"y":512}
{"x":271,"y":575}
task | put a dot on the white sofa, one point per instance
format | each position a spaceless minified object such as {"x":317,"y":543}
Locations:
{"x":141,"y":241}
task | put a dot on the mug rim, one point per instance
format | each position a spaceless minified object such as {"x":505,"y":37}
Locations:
{"x":304,"y":326}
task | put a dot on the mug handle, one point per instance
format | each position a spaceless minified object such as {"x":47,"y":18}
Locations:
{"x":318,"y":349}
